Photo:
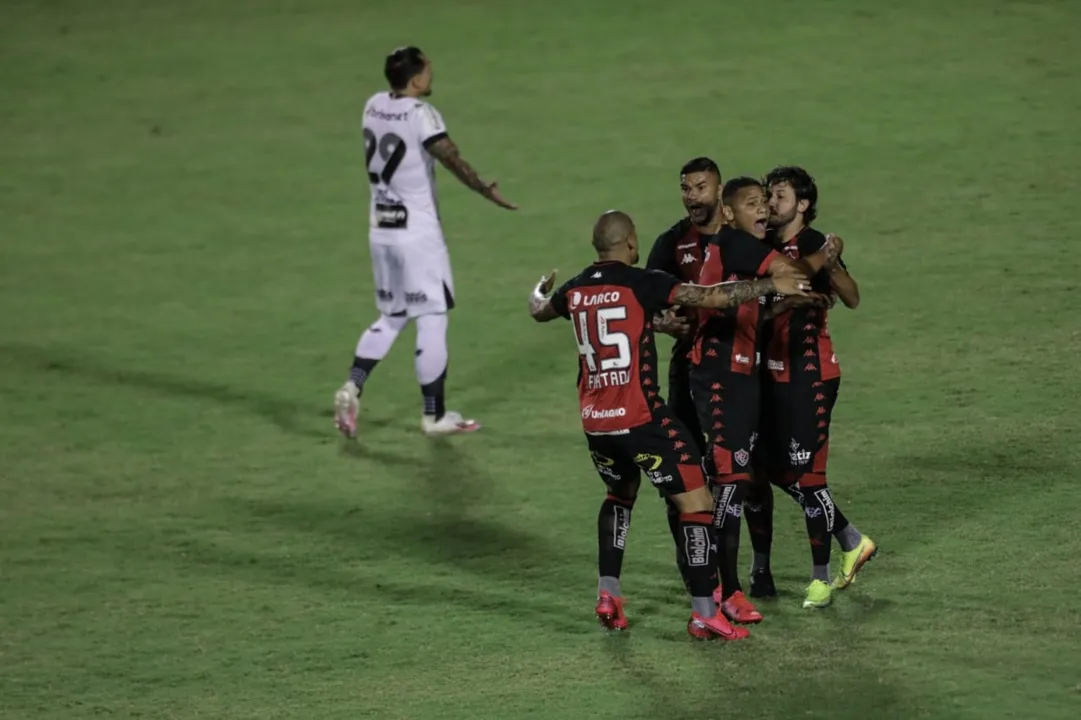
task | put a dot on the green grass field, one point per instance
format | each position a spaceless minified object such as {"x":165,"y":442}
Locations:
{"x":184,"y":272}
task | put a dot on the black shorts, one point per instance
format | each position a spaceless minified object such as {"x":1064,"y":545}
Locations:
{"x":796,"y":424}
{"x":662,"y":449}
{"x":727,"y":405}
{"x":680,"y":400}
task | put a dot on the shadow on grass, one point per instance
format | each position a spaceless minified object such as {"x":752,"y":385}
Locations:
{"x":304,"y":419}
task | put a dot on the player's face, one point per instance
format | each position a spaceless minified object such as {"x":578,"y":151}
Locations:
{"x":701,"y":193}
{"x":749,"y":211}
{"x":632,"y":245}
{"x":783,"y":206}
{"x":423,"y":81}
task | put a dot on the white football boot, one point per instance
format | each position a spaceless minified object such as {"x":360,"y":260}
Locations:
{"x":346,"y":407}
{"x":452,"y":423}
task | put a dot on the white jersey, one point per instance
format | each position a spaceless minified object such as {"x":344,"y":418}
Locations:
{"x":402,"y":173}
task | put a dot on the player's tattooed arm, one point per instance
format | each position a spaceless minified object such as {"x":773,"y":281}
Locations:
{"x":731,"y":294}
{"x":826,"y":256}
{"x":670,"y":322}
{"x":723,"y":295}
{"x":540,"y":302}
{"x":446,"y":152}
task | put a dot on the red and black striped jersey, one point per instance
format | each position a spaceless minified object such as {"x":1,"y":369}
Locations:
{"x":798,"y":340}
{"x":611,"y":306}
{"x":731,"y":335}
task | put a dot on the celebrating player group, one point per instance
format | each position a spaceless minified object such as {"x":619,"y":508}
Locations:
{"x":743,"y":283}
{"x":743,"y":280}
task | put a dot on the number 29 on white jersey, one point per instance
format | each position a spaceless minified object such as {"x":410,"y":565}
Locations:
{"x":397,"y":131}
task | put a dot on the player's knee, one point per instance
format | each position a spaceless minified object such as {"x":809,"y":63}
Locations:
{"x":811,"y":481}
{"x":625,"y":492}
{"x":785,"y":479}
{"x":391,"y":324}
{"x":699,"y":500}
{"x":431,"y":330}
{"x":757,"y":492}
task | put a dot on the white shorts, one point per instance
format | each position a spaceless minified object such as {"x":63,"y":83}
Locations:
{"x":412,"y":276}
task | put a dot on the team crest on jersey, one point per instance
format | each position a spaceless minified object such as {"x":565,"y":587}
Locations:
{"x":742,"y":457}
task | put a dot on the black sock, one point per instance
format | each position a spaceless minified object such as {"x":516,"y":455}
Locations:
{"x":434,"y":403}
{"x":759,"y":513}
{"x":728,"y":510}
{"x":698,"y":546}
{"x":672,"y":515}
{"x":820,"y":513}
{"x":362,"y":368}
{"x":613,"y":522}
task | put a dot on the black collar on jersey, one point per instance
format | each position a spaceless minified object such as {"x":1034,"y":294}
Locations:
{"x":730,"y":232}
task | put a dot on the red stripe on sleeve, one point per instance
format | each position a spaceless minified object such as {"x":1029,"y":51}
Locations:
{"x":763,"y":269}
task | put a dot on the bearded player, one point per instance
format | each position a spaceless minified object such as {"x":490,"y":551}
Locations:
{"x":800,"y":389}
{"x":403,"y":136}
{"x":628,"y":427}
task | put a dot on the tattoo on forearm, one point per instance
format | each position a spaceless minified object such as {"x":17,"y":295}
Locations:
{"x":724,"y":295}
{"x":446,"y":152}
{"x":831,"y":253}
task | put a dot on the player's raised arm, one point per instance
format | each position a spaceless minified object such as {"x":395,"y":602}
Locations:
{"x":541,"y":307}
{"x":844,"y":285}
{"x":446,"y":152}
{"x":731,"y":294}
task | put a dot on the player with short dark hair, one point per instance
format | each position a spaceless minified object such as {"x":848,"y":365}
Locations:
{"x":628,"y":427}
{"x":800,"y":389}
{"x":403,"y":136}
{"x":724,"y":369}
{"x":678,"y":251}
{"x":402,"y":65}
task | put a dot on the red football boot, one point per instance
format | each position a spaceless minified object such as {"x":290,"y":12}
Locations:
{"x":713,"y":628}
{"x":741,"y":610}
{"x":610,"y":612}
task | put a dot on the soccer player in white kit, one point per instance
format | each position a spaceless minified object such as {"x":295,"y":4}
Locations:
{"x":403,"y":135}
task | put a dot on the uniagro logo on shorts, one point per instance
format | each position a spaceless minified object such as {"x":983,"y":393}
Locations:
{"x":588,"y":413}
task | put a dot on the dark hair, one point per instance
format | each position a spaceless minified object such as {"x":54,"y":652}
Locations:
{"x":802,"y":184}
{"x":700,"y":164}
{"x":733,"y":186}
{"x":403,"y":65}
